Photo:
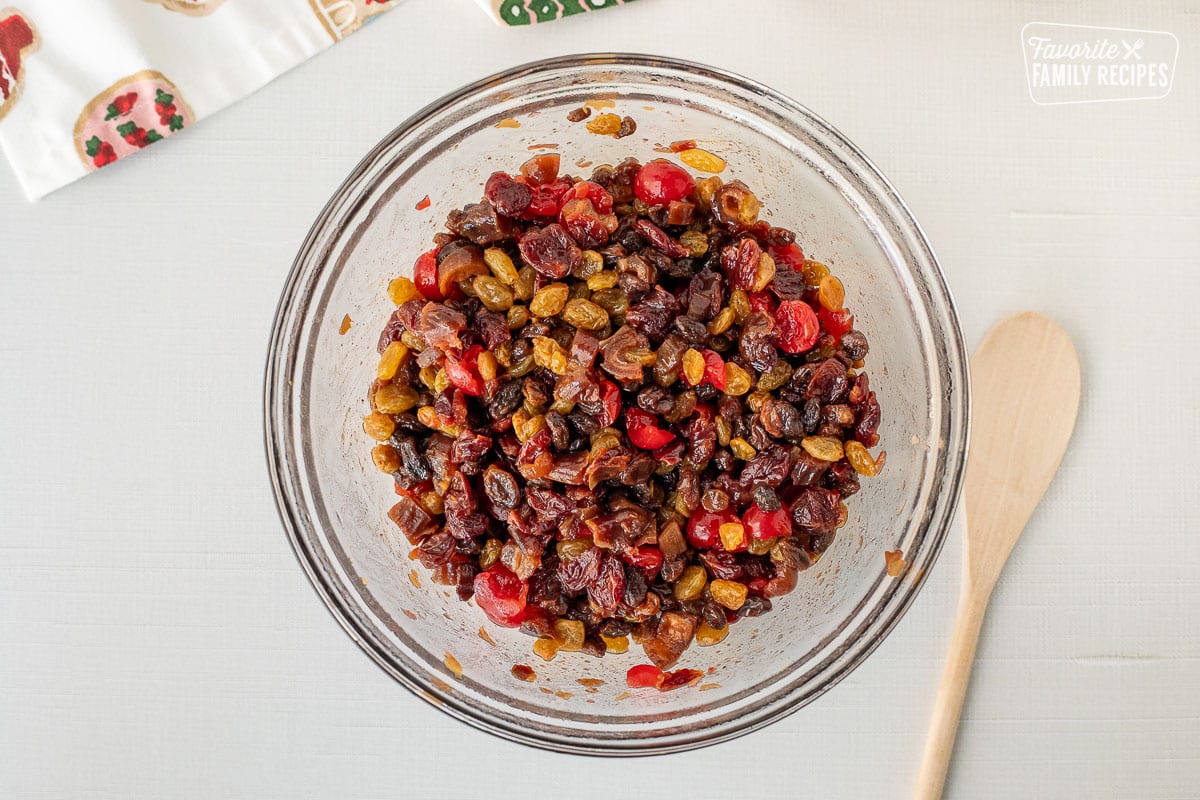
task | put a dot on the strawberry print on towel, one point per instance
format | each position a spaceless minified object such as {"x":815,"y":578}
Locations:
{"x":18,"y":38}
{"x":134,"y":112}
{"x":197,"y":8}
{"x":340,"y":18}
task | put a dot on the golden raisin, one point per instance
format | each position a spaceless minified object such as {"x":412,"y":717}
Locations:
{"x":386,"y":458}
{"x":730,"y":594}
{"x":549,"y":354}
{"x":494,"y":295}
{"x":830,"y":293}
{"x":395,"y":399}
{"x":861,"y":459}
{"x":760,"y":547}
{"x":487,"y":365}
{"x":615,"y":644}
{"x":569,"y":634}
{"x":707,"y":635}
{"x":546,"y":648}
{"x":432,"y":502}
{"x":721,"y":322}
{"x":391,"y":360}
{"x":592,"y":263}
{"x":754,"y":400}
{"x":518,"y":317}
{"x":412,"y":342}
{"x":723,"y":432}
{"x":780,"y":374}
{"x":549,"y":300}
{"x":584,"y":314}
{"x":740,"y":304}
{"x":490,"y":554}
{"x":693,"y":366}
{"x":695,"y":242}
{"x":523,"y":288}
{"x":501,"y":265}
{"x":765,"y":273}
{"x":705,"y":189}
{"x":570,"y":548}
{"x":605,"y":279}
{"x":733,"y":534}
{"x":813,"y":272}
{"x":428,"y":417}
{"x":604,"y":124}
{"x":702,"y":160}
{"x":402,"y":289}
{"x":825,"y":448}
{"x":742,"y":449}
{"x":640,"y":355}
{"x":691,"y":583}
{"x":378,"y":426}
{"x":441,"y":381}
{"x":737,"y":380}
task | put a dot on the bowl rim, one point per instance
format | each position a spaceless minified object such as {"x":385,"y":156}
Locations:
{"x":958,"y":401}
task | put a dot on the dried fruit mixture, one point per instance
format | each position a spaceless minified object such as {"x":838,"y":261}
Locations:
{"x":620,"y":407}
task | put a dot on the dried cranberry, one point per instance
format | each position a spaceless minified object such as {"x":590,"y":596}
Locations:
{"x":815,"y":511}
{"x":547,"y":199}
{"x":659,"y":239}
{"x":660,"y":182}
{"x":609,"y":587}
{"x":507,"y":196}
{"x":590,"y":190}
{"x":550,"y":251}
{"x":576,"y":574}
{"x":501,"y":595}
{"x":829,"y":382}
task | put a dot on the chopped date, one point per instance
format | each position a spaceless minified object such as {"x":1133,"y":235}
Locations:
{"x":579,"y":457}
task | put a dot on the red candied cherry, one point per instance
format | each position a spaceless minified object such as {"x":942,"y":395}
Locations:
{"x":836,"y":323}
{"x":660,"y":182}
{"x":762,"y":302}
{"x":789,"y":254}
{"x":714,"y":369}
{"x":425,"y":275}
{"x":648,"y":560}
{"x":590,"y":190}
{"x":464,"y":372}
{"x":644,"y":676}
{"x":796,"y":326}
{"x":547,"y":199}
{"x":501,"y":595}
{"x":767,"y":524}
{"x":643,"y":431}
{"x":704,"y":528}
{"x":610,"y":401}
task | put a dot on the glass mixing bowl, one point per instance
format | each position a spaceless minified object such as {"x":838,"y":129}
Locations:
{"x":333,"y":501}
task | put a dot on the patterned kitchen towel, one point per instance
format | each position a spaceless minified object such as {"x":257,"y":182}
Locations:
{"x":83,"y":84}
{"x":528,"y":12}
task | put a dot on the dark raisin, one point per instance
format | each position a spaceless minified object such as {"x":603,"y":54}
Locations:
{"x":765,"y":497}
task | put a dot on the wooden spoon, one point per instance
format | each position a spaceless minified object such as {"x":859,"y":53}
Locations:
{"x":1026,"y":394}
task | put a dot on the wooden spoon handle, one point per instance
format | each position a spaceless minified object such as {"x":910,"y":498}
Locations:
{"x":953,"y":690}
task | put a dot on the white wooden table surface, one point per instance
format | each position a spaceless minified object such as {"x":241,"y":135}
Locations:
{"x":158,"y":640}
